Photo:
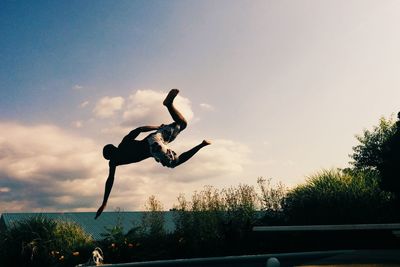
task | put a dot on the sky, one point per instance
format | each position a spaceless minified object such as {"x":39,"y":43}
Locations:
{"x":281,"y":88}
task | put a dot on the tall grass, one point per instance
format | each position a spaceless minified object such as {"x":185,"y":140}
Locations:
{"x":211,"y":222}
{"x":147,"y":239}
{"x":214,"y":220}
{"x":271,"y":196}
{"x":39,"y":241}
{"x":153,"y":220}
{"x":335,"y":196}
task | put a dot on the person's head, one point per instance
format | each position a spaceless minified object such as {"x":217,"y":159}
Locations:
{"x":108,"y":151}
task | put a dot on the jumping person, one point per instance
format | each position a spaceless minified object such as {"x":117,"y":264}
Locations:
{"x":154,"y":145}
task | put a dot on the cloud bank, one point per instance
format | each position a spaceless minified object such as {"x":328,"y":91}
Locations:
{"x":40,"y":163}
{"x":146,"y":106}
{"x":107,"y":106}
{"x":44,"y":167}
{"x":142,"y":107}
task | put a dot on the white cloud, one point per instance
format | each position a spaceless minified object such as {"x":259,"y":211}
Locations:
{"x":77,"y":124}
{"x":145,"y":107}
{"x":4,"y":189}
{"x":37,"y":162}
{"x":77,"y":87}
{"x":223,"y":158}
{"x":107,"y":106}
{"x":84,"y":104}
{"x":207,"y":107}
{"x":46,"y":168}
{"x":220,"y":163}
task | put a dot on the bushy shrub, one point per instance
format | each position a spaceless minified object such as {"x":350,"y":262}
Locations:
{"x":379,"y":151}
{"x":215,"y":221}
{"x":155,"y":241}
{"x":335,"y":197}
{"x":271,"y":195}
{"x":146,"y":240}
{"x":368,"y":154}
{"x":117,"y":245}
{"x":39,"y":241}
{"x":197,"y":222}
{"x":153,"y":219}
{"x":390,"y":167}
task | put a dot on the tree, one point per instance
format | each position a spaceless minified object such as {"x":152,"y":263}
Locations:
{"x":368,"y":155}
{"x":379,"y":152}
{"x":389,"y":169}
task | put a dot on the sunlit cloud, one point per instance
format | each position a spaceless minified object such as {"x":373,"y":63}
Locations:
{"x":38,"y":161}
{"x":145,"y":106}
{"x":55,"y":170}
{"x":218,"y":163}
{"x":207,"y":107}
{"x":107,"y":106}
{"x":223,"y":158}
{"x":84,"y":104}
{"x":77,"y":124}
{"x":77,"y":87}
{"x":47,"y":168}
{"x":4,"y":189}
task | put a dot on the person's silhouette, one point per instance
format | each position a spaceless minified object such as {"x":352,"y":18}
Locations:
{"x":154,"y":145}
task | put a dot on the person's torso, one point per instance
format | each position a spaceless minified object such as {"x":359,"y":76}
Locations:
{"x":131,"y":151}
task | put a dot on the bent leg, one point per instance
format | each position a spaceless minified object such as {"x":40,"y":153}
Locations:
{"x":175,"y":114}
{"x":190,"y":153}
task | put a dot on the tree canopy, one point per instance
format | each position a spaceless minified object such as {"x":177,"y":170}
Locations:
{"x":368,"y":154}
{"x":379,"y":151}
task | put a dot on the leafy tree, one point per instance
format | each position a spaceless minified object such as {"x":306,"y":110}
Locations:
{"x":379,"y":151}
{"x":368,"y":155}
{"x":390,"y":167}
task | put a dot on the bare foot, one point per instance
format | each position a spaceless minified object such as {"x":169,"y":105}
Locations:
{"x":170,"y":97}
{"x":206,"y":143}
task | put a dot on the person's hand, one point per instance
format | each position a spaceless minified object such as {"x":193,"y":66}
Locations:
{"x":206,"y":143}
{"x":99,"y":211}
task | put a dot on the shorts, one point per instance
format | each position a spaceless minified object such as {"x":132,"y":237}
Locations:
{"x":158,"y":144}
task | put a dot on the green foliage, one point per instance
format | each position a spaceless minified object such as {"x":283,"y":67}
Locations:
{"x":198,"y":222}
{"x":72,"y":242}
{"x":368,"y":155}
{"x":118,"y":246}
{"x":379,"y":151}
{"x":215,"y":219}
{"x":39,"y":241}
{"x":336,"y":197}
{"x":271,"y":197}
{"x":27,"y":242}
{"x":147,"y":239}
{"x":390,"y":167}
{"x":154,"y":240}
{"x":153,"y":219}
{"x":213,"y":222}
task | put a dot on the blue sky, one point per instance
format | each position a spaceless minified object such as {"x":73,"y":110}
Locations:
{"x":280,"y":87}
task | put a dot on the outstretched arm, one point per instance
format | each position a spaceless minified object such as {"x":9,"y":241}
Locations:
{"x":190,"y":153}
{"x":109,"y":184}
{"x":134,"y":133}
